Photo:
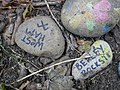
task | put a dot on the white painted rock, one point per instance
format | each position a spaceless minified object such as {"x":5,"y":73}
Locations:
{"x":100,"y":56}
{"x":40,"y":36}
{"x":90,"y":18}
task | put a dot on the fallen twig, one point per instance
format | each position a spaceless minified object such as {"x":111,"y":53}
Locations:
{"x":29,"y":69}
{"x":53,"y":15}
{"x":44,"y":4}
{"x":17,"y":56}
{"x":35,"y":4}
{"x":17,"y":23}
{"x":61,"y":27}
{"x":24,"y":85}
{"x":71,"y":60}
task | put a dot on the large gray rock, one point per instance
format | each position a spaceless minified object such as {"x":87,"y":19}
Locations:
{"x":40,"y":36}
{"x":99,"y":57}
{"x":90,"y":18}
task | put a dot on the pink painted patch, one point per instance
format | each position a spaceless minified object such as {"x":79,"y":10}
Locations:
{"x":101,"y":10}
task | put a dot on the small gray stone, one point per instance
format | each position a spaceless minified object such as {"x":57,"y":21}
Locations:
{"x":40,"y":36}
{"x":99,"y":57}
{"x":91,"y":18}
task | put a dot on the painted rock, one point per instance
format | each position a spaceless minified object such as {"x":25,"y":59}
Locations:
{"x":90,"y":18}
{"x":40,"y":36}
{"x":99,"y":57}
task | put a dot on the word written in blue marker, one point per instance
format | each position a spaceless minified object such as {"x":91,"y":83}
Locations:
{"x":97,"y":62}
{"x":33,"y":38}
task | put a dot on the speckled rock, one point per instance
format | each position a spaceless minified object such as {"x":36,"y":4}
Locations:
{"x":91,"y":18}
{"x":40,"y":36}
{"x":99,"y":57}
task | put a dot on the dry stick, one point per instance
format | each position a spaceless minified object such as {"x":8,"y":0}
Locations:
{"x":56,"y":20}
{"x":71,"y":60}
{"x":35,"y":4}
{"x":44,"y":4}
{"x":29,"y":69}
{"x":8,"y":8}
{"x":53,"y":15}
{"x":17,"y":23}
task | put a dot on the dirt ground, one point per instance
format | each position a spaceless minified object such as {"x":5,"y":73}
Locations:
{"x":13,"y":59}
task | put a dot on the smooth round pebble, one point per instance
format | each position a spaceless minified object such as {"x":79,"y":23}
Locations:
{"x":90,"y":18}
{"x":99,"y":57}
{"x":40,"y":36}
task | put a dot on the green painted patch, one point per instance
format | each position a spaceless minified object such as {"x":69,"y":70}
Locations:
{"x":90,"y":6}
{"x":90,"y":25}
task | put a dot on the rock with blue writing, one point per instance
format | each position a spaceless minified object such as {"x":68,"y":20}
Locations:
{"x":90,"y":18}
{"x":40,"y":36}
{"x":90,"y":63}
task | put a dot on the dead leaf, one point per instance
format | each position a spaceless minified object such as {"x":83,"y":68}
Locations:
{"x":28,"y":10}
{"x":24,"y":85}
{"x":117,"y":10}
{"x":34,"y":86}
{"x":58,"y":81}
{"x":62,"y":69}
{"x":84,"y":46}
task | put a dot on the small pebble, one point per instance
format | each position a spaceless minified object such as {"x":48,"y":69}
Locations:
{"x":90,"y":18}
{"x":100,"y":56}
{"x":40,"y":36}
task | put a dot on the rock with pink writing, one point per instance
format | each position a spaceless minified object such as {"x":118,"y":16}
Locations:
{"x":40,"y":36}
{"x":90,"y":18}
{"x":99,"y":57}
